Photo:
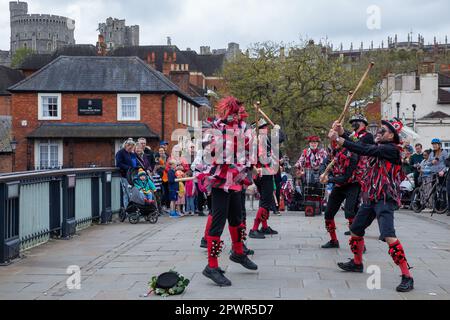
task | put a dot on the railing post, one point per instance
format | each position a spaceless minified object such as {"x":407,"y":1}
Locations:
{"x":69,"y":224}
{"x":106,"y":197}
{"x":55,"y":207}
{"x":9,"y":222}
{"x":95,"y":197}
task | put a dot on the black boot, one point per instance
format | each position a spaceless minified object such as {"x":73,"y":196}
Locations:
{"x":331,"y":245}
{"x":203,"y":243}
{"x":351,"y":266}
{"x":256,"y":234}
{"x":247,"y":251}
{"x":406,"y":285}
{"x":268,"y":231}
{"x":244,"y":261}
{"x":217,"y":276}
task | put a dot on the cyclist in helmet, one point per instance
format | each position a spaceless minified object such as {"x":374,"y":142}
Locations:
{"x":437,"y":158}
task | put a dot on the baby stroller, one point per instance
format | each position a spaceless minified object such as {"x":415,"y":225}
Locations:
{"x":313,"y":193}
{"x":406,"y":189}
{"x":137,"y":207}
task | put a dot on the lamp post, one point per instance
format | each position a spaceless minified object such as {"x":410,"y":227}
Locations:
{"x":13,"y":145}
{"x":398,"y":110}
{"x":414,"y":117}
{"x":373,"y":128}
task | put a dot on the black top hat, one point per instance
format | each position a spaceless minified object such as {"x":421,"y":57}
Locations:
{"x":167,"y":280}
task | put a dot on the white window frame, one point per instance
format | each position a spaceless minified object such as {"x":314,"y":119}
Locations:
{"x":196,"y":114}
{"x":189,"y":114}
{"x":37,"y":152}
{"x":41,"y":107}
{"x":119,"y":107}
{"x":184,"y":111}
{"x":446,"y":146}
{"x":180,"y":110}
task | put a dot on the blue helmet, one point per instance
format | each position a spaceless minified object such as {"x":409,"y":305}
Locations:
{"x":436,"y":141}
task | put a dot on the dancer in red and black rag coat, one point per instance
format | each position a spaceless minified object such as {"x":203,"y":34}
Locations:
{"x":360,"y":134}
{"x":226,"y":179}
{"x":346,"y":187}
{"x":268,"y":162}
{"x":381,"y":196}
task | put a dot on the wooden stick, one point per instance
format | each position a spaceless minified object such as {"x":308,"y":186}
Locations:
{"x":350,"y":99}
{"x":185,"y":179}
{"x":258,"y":109}
{"x":328,"y":169}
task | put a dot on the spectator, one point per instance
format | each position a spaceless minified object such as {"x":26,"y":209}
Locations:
{"x":181,"y":200}
{"x":162,"y":160}
{"x":173,"y":187}
{"x":437,"y":158}
{"x":406,"y":166}
{"x":141,"y":159}
{"x":143,"y":183}
{"x":415,"y":161}
{"x":157,"y":181}
{"x":125,"y":160}
{"x":425,"y":165}
{"x":148,"y":153}
{"x":190,"y":195}
{"x":447,"y":164}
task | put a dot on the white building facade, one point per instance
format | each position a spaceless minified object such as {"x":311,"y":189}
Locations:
{"x":430,"y":95}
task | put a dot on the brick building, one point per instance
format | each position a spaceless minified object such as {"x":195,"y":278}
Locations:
{"x":76,"y":111}
{"x":8,"y":77}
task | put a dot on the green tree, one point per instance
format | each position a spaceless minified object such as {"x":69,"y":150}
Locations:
{"x":19,"y":56}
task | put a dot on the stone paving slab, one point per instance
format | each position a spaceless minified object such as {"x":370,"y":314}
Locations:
{"x":118,"y":260}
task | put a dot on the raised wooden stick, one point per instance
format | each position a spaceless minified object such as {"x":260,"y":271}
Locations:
{"x":258,"y":108}
{"x":185,"y":179}
{"x":350,"y":98}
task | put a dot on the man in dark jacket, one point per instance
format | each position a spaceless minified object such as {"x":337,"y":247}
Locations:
{"x":381,"y":196}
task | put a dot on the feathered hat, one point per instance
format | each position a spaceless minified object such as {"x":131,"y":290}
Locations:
{"x":395,"y":126}
{"x":231,"y":106}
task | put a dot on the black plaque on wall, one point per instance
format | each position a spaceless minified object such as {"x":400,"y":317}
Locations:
{"x":90,"y":107}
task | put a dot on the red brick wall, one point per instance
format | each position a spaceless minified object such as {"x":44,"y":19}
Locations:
{"x":25,"y":107}
{"x":5,"y":163}
{"x":5,"y":105}
{"x":81,"y":153}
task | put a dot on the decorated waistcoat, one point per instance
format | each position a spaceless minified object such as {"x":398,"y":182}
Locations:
{"x":382,"y":181}
{"x":363,"y":163}
{"x":228,"y":176}
{"x":311,"y":159}
{"x":342,"y":159}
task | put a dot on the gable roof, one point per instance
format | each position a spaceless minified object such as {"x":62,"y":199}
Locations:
{"x":98,"y":74}
{"x":37,"y":61}
{"x":8,"y":77}
{"x":436,"y":115}
{"x":209,"y":64}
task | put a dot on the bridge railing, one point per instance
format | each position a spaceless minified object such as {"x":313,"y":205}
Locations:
{"x":36,"y":206}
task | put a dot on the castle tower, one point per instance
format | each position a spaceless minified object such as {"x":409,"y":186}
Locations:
{"x":43,"y":33}
{"x":17,"y":8}
{"x":117,"y":34}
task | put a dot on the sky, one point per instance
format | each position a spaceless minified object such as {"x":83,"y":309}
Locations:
{"x":215,"y":23}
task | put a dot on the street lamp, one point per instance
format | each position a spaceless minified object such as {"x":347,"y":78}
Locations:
{"x":373,"y":128}
{"x":414,"y":116}
{"x":13,"y":144}
{"x":398,"y":110}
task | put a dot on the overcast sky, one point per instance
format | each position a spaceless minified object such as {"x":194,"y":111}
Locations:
{"x":192,"y":23}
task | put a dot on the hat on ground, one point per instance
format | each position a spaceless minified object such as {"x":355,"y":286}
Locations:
{"x":169,"y":283}
{"x":395,"y":126}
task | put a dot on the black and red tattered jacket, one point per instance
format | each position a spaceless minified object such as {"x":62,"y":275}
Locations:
{"x":381,"y":181}
{"x":345,"y":166}
{"x":363,"y":137}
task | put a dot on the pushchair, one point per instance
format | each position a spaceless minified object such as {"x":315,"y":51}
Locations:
{"x":313,"y":193}
{"x":137,"y":207}
{"x":406,"y":189}
{"x":292,"y":195}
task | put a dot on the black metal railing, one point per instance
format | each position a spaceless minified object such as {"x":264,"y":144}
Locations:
{"x":35,"y":206}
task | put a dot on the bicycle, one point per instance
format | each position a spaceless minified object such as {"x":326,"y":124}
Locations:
{"x":431,"y":194}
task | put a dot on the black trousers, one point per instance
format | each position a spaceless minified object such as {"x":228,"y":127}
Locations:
{"x":165,"y":192}
{"x":349,"y":193}
{"x":265,"y":189}
{"x":243,"y":209}
{"x":368,"y":212}
{"x":225,"y":206}
{"x":200,"y":199}
{"x":448,"y":193}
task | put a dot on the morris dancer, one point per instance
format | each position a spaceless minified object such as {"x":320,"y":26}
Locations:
{"x":360,"y":134}
{"x":265,"y":183}
{"x":381,"y":195}
{"x":312,"y":157}
{"x":345,"y":188}
{"x":226,"y":182}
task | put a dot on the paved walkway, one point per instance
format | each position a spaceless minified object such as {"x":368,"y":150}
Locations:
{"x":118,"y":260}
